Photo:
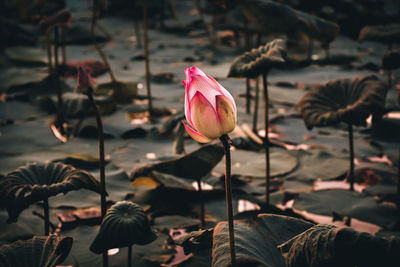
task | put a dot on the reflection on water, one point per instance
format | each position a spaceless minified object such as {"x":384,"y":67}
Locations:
{"x":245,"y":205}
{"x":204,"y":186}
{"x":113,"y":251}
{"x":323,"y":185}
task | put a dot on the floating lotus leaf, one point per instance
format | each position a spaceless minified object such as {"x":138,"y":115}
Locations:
{"x":328,"y":245}
{"x":35,"y":182}
{"x":194,"y":165}
{"x":40,"y":251}
{"x":27,"y":55}
{"x":391,"y":60}
{"x":256,"y":240}
{"x":258,"y":60}
{"x":249,"y":163}
{"x":345,"y":100}
{"x":383,"y":34}
{"x":348,"y":203}
{"x":78,"y":105}
{"x":123,"y":92}
{"x":271,"y":17}
{"x":125,"y":224}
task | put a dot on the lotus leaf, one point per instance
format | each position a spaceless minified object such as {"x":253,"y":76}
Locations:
{"x":381,"y":33}
{"x":40,"y":251}
{"x":328,"y":245}
{"x":258,"y":60}
{"x":256,"y":240}
{"x":125,"y":224}
{"x":194,"y":165}
{"x":35,"y":182}
{"x":344,"y":100}
{"x":271,"y":17}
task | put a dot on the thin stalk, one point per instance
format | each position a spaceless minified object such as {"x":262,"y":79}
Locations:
{"x":258,"y":40}
{"x":255,"y":113}
{"x":310,"y":49}
{"x":146,"y":56}
{"x":248,"y":95}
{"x":202,"y":215}
{"x":129,"y":256}
{"x":351,"y":148}
{"x":56,"y":43}
{"x":57,"y":80}
{"x":206,"y":26}
{"x":63,"y":47}
{"x":100,"y":137}
{"x":246,"y":34}
{"x":327,"y":53}
{"x":50,"y":61}
{"x":137,"y":32}
{"x":46,"y":216}
{"x":226,"y":142}
{"x":98,"y":48}
{"x":398,"y":173}
{"x":266,"y":143}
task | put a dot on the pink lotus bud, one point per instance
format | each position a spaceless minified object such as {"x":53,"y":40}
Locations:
{"x":85,"y":81}
{"x":61,"y":18}
{"x":209,"y":108}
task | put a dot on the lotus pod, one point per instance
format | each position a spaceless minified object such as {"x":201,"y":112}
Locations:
{"x":270,"y":17}
{"x":386,"y":34}
{"x":40,"y":251}
{"x":344,"y":100}
{"x":326,"y":245}
{"x":35,"y":182}
{"x":125,"y":224}
{"x":259,"y":60}
{"x":194,"y":165}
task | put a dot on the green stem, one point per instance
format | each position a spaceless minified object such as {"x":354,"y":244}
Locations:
{"x":46,"y":216}
{"x":351,"y":149}
{"x":257,"y":97}
{"x":266,"y":142}
{"x":202,"y":215}
{"x":100,"y":137}
{"x":146,"y":57}
{"x":228,"y":192}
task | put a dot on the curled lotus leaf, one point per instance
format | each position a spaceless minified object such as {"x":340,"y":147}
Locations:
{"x":391,"y":60}
{"x":125,"y":224}
{"x":345,"y":100}
{"x":259,"y":60}
{"x":269,"y":17}
{"x":328,"y":245}
{"x":256,"y":240}
{"x":194,"y":165}
{"x":39,"y":251}
{"x":386,"y":34}
{"x":35,"y":182}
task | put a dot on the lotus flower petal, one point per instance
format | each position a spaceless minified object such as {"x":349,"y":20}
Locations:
{"x":204,"y":96}
{"x":204,"y":117}
{"x":196,"y":135}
